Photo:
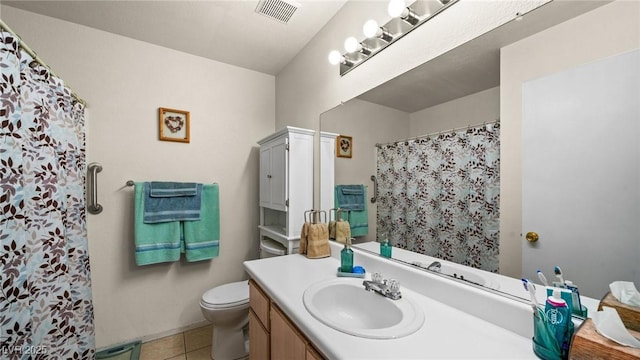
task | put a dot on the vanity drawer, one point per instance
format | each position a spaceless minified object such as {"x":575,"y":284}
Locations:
{"x":259,"y":303}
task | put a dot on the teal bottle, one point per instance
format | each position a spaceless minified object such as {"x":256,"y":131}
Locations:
{"x":385,"y":246}
{"x":385,"y":249}
{"x":346,"y":258}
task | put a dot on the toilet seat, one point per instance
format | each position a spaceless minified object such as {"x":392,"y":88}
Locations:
{"x":227,"y":295}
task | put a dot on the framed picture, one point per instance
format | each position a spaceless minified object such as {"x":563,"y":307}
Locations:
{"x":174,"y":125}
{"x":344,"y":146}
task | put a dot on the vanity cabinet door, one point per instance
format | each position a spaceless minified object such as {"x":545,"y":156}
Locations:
{"x":259,"y":303}
{"x":286,"y":341}
{"x":258,"y":339}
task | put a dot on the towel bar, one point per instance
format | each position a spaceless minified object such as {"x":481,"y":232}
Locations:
{"x":92,"y":192}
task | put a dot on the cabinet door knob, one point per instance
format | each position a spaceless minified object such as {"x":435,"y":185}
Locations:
{"x":532,"y":236}
{"x":269,"y":176}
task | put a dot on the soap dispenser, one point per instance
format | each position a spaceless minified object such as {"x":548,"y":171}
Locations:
{"x":346,"y":257}
{"x":385,"y":246}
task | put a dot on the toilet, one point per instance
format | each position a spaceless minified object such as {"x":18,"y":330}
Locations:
{"x":227,"y":308}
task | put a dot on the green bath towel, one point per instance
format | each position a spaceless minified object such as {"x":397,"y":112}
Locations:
{"x":155,"y":243}
{"x":202,"y":238}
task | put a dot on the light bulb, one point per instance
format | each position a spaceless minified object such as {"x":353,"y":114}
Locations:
{"x":335,"y":57}
{"x":351,"y":44}
{"x":371,"y":29}
{"x":396,"y":8}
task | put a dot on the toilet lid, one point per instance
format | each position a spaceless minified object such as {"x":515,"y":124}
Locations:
{"x":231,"y":294}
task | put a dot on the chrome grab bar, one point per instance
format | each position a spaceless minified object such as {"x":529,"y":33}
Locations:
{"x":92,"y":188}
{"x":375,"y":189}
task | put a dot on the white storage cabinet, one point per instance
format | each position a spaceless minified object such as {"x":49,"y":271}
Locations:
{"x":286,"y":184}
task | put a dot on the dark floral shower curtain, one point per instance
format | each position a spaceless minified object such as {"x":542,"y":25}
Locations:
{"x":440,"y":195}
{"x":46,"y":310}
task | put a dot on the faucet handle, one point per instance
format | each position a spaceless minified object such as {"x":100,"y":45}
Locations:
{"x":394,"y":285}
{"x":376,"y":277}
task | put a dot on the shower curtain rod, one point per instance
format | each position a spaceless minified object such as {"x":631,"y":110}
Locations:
{"x":36,"y":58}
{"x":496,"y":121}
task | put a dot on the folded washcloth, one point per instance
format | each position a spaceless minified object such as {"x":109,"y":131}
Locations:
{"x":154,"y":243}
{"x":318,"y":241}
{"x":174,"y":208}
{"x":351,"y":197}
{"x":172,"y":189}
{"x":202,"y":238}
{"x":352,"y":190}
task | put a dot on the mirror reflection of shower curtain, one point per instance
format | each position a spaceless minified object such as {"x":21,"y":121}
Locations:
{"x":440,"y":195}
{"x":46,"y":309}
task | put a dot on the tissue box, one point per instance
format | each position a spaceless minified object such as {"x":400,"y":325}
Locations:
{"x":589,"y":344}
{"x":630,"y":315}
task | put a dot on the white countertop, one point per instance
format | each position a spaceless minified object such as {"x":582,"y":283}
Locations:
{"x":467,"y":330}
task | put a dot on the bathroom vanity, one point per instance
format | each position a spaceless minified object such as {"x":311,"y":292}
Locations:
{"x":459,"y":320}
{"x":272,"y":334}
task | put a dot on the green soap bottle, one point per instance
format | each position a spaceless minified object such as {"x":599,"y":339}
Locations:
{"x":385,"y":246}
{"x":346,"y":258}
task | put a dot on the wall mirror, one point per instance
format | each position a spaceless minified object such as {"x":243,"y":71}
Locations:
{"x":457,"y":90}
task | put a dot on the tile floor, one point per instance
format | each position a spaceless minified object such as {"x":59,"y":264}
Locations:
{"x":190,"y":345}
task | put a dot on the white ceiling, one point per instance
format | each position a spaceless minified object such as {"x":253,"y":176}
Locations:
{"x":229,"y":31}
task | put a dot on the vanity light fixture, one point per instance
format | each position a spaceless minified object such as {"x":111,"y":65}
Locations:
{"x":371,"y":30}
{"x":351,"y":45}
{"x":399,"y":9}
{"x":336,"y":58}
{"x":378,"y":37}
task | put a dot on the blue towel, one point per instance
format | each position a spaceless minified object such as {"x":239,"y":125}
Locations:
{"x":174,"y":208}
{"x":358,"y":219}
{"x":155,"y":243}
{"x":351,"y":197}
{"x":202,"y":238}
{"x":172,"y":189}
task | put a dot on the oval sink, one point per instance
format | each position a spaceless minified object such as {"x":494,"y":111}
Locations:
{"x":344,"y":305}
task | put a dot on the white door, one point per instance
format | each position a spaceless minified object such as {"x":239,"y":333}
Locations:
{"x":581,"y":174}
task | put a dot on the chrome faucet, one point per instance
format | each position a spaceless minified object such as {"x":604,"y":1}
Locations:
{"x":435,"y":266}
{"x":387,"y":288}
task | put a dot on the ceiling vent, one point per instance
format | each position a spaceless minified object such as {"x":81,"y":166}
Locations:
{"x":281,"y":10}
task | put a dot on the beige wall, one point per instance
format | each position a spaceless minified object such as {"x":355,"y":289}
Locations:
{"x":606,"y":31}
{"x":474,"y":109}
{"x":124,"y":82}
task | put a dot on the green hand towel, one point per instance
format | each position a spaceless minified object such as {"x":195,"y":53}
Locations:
{"x":154,"y":243}
{"x":202,"y":238}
